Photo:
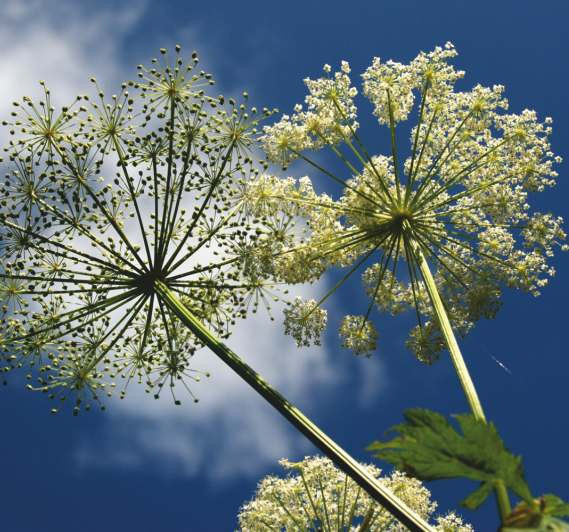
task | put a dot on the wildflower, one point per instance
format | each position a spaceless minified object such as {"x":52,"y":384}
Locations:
{"x":104,"y":244}
{"x":317,"y":496}
{"x":459,"y":204}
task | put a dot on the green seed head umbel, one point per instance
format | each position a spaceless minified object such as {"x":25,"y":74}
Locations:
{"x":103,"y":199}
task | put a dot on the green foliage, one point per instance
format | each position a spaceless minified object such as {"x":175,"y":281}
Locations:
{"x":429,"y":448}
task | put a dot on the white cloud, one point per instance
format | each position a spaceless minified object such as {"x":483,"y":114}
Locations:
{"x":61,"y":43}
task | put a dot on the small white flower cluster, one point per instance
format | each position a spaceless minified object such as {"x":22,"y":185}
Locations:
{"x":544,"y":231}
{"x":305,"y":321}
{"x":425,"y":342}
{"x":299,"y":265}
{"x":389,"y":86}
{"x":264,"y":194}
{"x":388,"y":293}
{"x":330,"y":118}
{"x":317,"y":496}
{"x":359,"y":335}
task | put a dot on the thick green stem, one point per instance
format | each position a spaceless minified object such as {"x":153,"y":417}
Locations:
{"x":450,"y":339}
{"x":502,"y":500}
{"x":460,"y":366}
{"x":340,"y":457}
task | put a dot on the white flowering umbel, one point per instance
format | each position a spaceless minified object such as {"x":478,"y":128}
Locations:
{"x":460,"y":200}
{"x":317,"y":496}
{"x":459,"y":204}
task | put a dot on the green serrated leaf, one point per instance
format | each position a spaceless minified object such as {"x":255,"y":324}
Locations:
{"x":428,"y":447}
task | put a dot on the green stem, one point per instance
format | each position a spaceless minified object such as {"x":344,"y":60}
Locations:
{"x":340,"y":457}
{"x":502,"y":500}
{"x":460,"y":366}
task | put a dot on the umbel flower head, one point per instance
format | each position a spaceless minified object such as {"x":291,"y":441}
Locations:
{"x":317,"y":496}
{"x":104,"y":200}
{"x":458,"y":200}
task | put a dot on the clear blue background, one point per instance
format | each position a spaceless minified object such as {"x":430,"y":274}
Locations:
{"x":268,"y":48}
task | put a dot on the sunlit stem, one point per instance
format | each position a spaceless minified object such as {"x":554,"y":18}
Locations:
{"x":430,"y":174}
{"x":197,"y":216}
{"x":394,"y":146}
{"x":340,"y":457}
{"x":163,"y":245}
{"x":502,"y":500}
{"x":335,"y":178}
{"x":201,"y":269}
{"x":436,"y":111}
{"x":341,"y":281}
{"x":278,"y":500}
{"x":415,"y":142}
{"x":155,"y":179}
{"x":310,"y":498}
{"x":357,"y":153}
{"x":458,"y":361}
{"x":446,"y":329}
{"x":128,"y":180}
{"x":103,"y":210}
{"x":454,"y":180}
{"x":171,"y":218}
{"x":354,"y":506}
{"x":366,"y":525}
{"x":343,"y":158}
{"x":341,"y":522}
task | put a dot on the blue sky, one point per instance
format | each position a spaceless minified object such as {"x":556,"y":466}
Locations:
{"x":146,"y":465}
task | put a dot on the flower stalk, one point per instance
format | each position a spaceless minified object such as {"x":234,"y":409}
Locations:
{"x":338,"y":455}
{"x":502,"y":498}
{"x":450,"y":339}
